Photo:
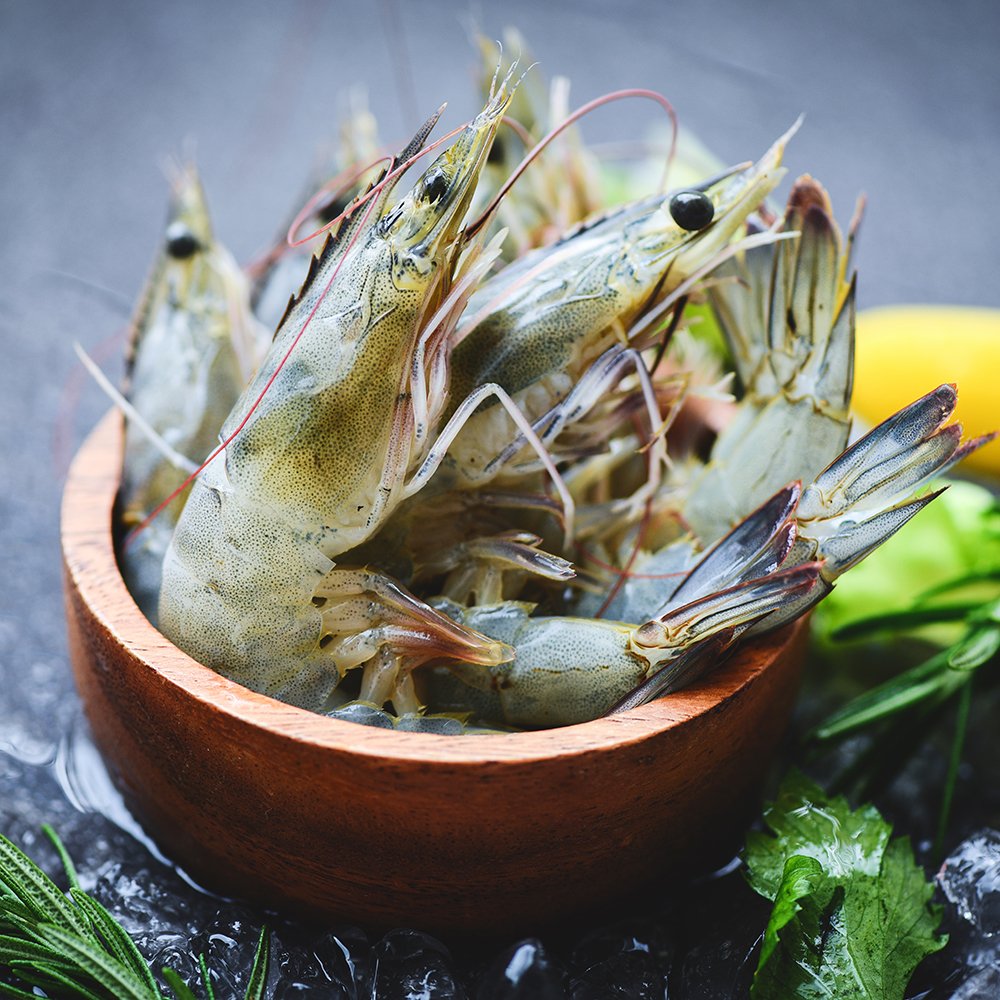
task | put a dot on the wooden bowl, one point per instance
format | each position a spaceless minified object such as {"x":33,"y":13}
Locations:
{"x":501,"y":833}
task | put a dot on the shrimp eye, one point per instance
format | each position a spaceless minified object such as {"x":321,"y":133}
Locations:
{"x":435,"y":186}
{"x":692,"y":210}
{"x":181,"y":242}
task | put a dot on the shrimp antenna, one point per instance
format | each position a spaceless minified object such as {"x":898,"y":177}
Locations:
{"x":336,"y":186}
{"x":174,"y":457}
{"x":329,"y":193}
{"x":626,"y":570}
{"x":518,"y":129}
{"x":110,"y":297}
{"x":69,"y":401}
{"x":585,"y":109}
{"x":622,"y":573}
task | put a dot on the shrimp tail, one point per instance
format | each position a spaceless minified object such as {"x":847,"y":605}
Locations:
{"x":867,"y":494}
{"x":711,"y":626}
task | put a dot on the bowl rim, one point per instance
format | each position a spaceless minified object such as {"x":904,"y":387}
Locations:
{"x":92,"y":570}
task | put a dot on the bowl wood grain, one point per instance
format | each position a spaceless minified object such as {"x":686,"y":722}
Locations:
{"x":495,"y":833}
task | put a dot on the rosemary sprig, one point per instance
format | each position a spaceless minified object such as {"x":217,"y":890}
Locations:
{"x":73,"y":947}
{"x":938,"y":678}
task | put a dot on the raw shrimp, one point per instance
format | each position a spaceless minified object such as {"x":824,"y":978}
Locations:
{"x":787,"y":312}
{"x":544,"y":322}
{"x":568,"y":670}
{"x":319,"y":447}
{"x":193,"y":347}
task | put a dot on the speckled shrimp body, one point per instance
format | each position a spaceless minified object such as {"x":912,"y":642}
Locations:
{"x":322,"y":442}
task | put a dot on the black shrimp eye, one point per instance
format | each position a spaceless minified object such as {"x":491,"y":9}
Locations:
{"x":181,"y":242}
{"x":435,"y":186}
{"x":692,"y":210}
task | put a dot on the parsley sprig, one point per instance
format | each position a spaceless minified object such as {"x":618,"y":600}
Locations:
{"x":852,"y":915}
{"x":851,"y":911}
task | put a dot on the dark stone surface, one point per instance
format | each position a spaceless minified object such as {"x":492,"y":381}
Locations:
{"x":902,"y":101}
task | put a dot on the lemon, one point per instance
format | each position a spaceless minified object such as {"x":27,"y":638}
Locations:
{"x":903,"y":352}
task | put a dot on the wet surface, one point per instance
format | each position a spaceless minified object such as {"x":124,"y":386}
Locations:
{"x":901,"y":101}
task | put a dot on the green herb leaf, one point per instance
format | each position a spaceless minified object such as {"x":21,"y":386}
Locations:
{"x":975,"y":649}
{"x":799,"y":968}
{"x":6,"y":990}
{"x":916,"y":616}
{"x":261,"y":960}
{"x":96,"y":963}
{"x":54,"y":980}
{"x":25,"y":880}
{"x":64,"y":858}
{"x":935,"y":678}
{"x":804,"y":823}
{"x":118,"y":943}
{"x":14,"y":915}
{"x":852,"y":915}
{"x":800,"y":879}
{"x":930,"y":679}
{"x":17,"y":951}
{"x":67,"y":947}
{"x":75,"y":947}
{"x":954,"y":762}
{"x":206,"y":979}
{"x":180,"y":989}
{"x":990,"y":575}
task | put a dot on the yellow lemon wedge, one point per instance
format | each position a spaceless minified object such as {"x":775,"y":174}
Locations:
{"x":904,"y":351}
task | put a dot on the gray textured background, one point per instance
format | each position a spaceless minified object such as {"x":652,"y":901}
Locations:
{"x":902,"y":101}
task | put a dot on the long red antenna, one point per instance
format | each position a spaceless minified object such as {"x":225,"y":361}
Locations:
{"x":368,"y":195}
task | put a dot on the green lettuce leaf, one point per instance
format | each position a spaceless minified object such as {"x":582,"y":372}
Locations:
{"x":955,"y":538}
{"x":852,"y":915}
